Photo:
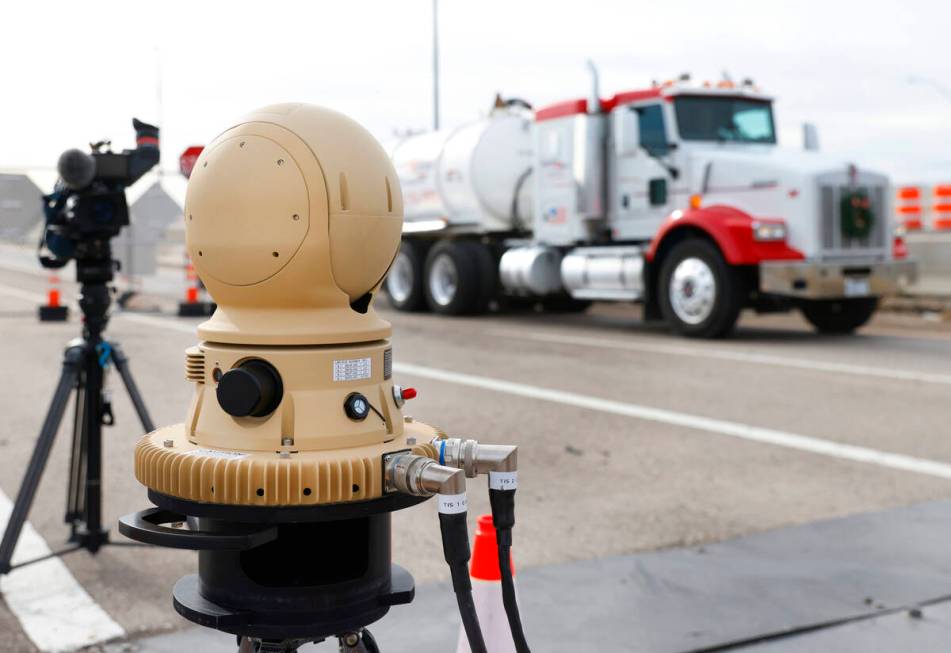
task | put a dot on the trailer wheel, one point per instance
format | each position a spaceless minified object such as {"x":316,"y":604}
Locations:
{"x":487,"y":273}
{"x":404,"y":282}
{"x":700,"y":295}
{"x":452,"y":284}
{"x":839,"y":315}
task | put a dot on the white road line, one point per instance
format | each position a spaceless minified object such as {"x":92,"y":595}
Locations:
{"x":53,"y":609}
{"x":697,"y":422}
{"x":720,"y":353}
{"x":161,"y":322}
{"x":25,"y":295}
{"x":720,"y":427}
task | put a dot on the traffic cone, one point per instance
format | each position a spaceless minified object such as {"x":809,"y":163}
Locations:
{"x":487,"y":592}
{"x":53,"y":311}
{"x":193,"y":306}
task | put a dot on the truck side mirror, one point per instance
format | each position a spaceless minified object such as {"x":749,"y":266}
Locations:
{"x":627,"y":132}
{"x":810,"y":137}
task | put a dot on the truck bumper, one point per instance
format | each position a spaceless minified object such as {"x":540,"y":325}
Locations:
{"x":835,"y":280}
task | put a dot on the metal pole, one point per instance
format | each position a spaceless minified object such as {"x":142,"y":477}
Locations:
{"x":435,"y":64}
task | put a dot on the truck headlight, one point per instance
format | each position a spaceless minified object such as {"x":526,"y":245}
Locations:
{"x":769,"y":231}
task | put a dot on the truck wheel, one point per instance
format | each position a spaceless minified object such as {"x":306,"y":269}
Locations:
{"x":404,"y":283}
{"x":700,"y":295}
{"x":452,"y":284}
{"x":487,"y":268}
{"x":839,"y":315}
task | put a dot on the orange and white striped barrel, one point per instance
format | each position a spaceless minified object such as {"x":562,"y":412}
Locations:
{"x":941,"y":207}
{"x":908,"y":207}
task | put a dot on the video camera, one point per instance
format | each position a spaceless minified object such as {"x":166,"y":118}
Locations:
{"x":88,"y":205}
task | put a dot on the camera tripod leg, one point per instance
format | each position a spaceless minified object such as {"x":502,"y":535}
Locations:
{"x":75,"y":497}
{"x":68,"y":380}
{"x":122,"y":364}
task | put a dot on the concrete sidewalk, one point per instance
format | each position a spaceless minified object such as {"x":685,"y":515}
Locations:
{"x":851,"y":584}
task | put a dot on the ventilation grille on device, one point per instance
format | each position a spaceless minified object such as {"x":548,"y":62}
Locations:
{"x":195,"y":365}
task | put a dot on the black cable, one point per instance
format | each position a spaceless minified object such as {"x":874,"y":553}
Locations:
{"x":503,"y":517}
{"x":455,"y":544}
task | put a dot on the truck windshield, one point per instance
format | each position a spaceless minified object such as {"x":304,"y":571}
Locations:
{"x":724,"y":119}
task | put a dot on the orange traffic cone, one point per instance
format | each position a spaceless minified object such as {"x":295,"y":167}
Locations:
{"x":53,"y":311}
{"x":487,"y":592}
{"x":193,"y":306}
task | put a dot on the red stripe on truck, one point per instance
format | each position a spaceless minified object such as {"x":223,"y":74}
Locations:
{"x":562,"y":109}
{"x":732,"y":231}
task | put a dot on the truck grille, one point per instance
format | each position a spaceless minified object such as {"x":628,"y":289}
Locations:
{"x":834,"y":241}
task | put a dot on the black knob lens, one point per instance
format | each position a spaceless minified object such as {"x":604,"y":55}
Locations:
{"x":253,"y":389}
{"x":356,"y":406}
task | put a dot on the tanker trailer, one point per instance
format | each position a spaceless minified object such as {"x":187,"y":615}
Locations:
{"x":467,"y":194}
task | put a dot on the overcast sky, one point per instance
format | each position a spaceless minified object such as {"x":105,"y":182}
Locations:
{"x":874,"y":76}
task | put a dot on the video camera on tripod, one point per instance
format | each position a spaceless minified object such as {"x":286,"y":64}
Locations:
{"x":88,"y":206}
{"x":85,"y":211}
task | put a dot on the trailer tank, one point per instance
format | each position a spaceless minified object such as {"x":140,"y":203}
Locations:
{"x":474,"y":178}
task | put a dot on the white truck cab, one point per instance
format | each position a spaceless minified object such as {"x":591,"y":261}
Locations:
{"x":677,"y":196}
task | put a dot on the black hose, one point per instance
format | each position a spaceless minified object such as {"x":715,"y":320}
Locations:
{"x":455,"y":544}
{"x":503,"y":517}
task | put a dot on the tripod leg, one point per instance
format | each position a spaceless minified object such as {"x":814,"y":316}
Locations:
{"x":122,"y":364}
{"x":89,"y":532}
{"x":67,"y":381}
{"x":75,"y":495}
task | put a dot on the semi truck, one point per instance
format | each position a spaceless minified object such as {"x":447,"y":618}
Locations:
{"x":677,"y":196}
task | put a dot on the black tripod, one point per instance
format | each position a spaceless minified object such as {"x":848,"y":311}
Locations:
{"x":84,"y":363}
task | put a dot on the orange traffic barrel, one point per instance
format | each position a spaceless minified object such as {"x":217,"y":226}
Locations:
{"x":908,"y":207}
{"x":941,"y":208}
{"x":53,"y":310}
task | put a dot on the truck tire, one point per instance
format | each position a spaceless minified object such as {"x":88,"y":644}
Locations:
{"x":404,"y":282}
{"x":451,"y":281}
{"x":839,"y":315}
{"x":488,"y":274}
{"x":700,"y":295}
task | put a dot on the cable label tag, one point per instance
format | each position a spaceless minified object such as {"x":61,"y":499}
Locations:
{"x":503,"y":480}
{"x":452,"y":504}
{"x":352,"y":369}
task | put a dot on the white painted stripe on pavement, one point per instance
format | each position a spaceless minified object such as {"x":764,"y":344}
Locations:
{"x":721,"y":353}
{"x":720,"y":427}
{"x":18,"y":293}
{"x":161,"y":322}
{"x":55,"y":612}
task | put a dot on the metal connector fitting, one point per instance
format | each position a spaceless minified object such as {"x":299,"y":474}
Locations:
{"x":398,"y":396}
{"x":422,"y":476}
{"x":474,"y":458}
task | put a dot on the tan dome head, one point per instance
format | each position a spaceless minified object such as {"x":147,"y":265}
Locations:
{"x":292,"y":218}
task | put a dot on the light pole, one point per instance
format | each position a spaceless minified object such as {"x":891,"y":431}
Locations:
{"x":435,"y":64}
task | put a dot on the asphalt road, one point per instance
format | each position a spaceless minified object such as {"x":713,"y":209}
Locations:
{"x":631,"y":439}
